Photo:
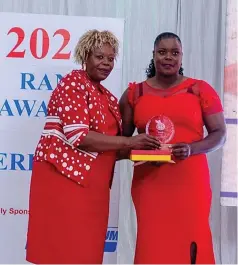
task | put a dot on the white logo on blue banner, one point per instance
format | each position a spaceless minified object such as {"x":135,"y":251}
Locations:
{"x":35,"y":52}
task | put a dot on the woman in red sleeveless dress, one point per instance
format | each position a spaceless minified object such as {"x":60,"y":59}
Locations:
{"x":172,"y":201}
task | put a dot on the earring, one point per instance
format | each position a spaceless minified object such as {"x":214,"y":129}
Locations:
{"x":84,"y":66}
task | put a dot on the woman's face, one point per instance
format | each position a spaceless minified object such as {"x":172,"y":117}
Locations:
{"x":168,"y":56}
{"x":100,"y":63}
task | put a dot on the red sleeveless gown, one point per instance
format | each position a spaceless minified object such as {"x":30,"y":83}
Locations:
{"x":173,"y":201}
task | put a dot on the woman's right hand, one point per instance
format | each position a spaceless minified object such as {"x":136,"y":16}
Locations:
{"x":143,"y":141}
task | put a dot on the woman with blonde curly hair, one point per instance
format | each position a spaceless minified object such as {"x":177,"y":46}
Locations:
{"x":74,"y":160}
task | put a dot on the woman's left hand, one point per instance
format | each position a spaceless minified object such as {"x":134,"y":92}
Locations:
{"x":181,"y":151}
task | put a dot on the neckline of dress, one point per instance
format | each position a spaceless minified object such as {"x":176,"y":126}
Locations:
{"x":181,"y":84}
{"x":97,"y":85}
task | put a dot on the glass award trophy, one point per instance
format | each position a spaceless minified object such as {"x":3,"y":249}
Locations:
{"x":163,"y":129}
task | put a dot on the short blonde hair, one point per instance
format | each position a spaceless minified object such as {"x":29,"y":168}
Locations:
{"x":94,"y":39}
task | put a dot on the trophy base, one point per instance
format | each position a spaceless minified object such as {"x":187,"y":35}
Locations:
{"x":151,"y":155}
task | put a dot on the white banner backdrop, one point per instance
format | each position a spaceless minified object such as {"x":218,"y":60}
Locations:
{"x":229,"y":159}
{"x":35,"y":52}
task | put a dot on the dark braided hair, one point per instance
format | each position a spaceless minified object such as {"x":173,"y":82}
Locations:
{"x":150,"y":71}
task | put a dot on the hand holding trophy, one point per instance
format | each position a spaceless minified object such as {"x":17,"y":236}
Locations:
{"x":163,"y":129}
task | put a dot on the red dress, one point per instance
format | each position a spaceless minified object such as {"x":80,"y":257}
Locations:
{"x":68,"y":222}
{"x":173,"y":201}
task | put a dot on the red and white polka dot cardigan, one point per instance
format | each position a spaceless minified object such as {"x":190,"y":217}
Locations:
{"x":74,"y":108}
